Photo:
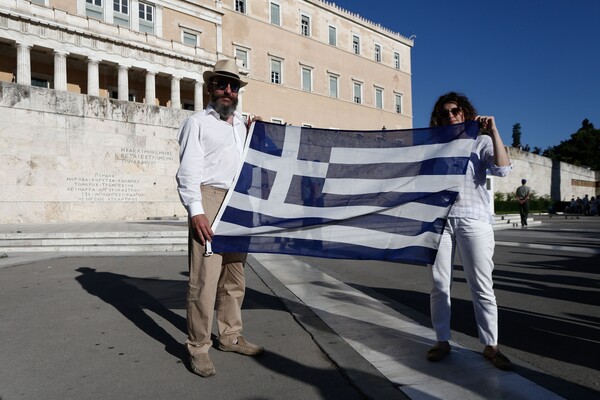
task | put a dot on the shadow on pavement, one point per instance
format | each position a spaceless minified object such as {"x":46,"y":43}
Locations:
{"x":124,"y":293}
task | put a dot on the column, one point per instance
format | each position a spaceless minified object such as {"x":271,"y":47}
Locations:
{"x":23,"y":64}
{"x":93,"y":78}
{"x":150,"y":88}
{"x":175,"y":92}
{"x":123,"y":83}
{"x":60,"y":70}
{"x":198,"y":96}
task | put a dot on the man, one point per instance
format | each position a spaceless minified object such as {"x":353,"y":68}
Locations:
{"x":211,"y":143}
{"x":523,"y":195}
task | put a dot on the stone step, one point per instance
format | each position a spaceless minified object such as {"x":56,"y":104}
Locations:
{"x":156,"y":241}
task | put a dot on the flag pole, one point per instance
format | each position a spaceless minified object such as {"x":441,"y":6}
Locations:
{"x":208,"y":250}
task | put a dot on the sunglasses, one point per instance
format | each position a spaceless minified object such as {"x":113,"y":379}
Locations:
{"x":222,"y":84}
{"x":455,"y":111}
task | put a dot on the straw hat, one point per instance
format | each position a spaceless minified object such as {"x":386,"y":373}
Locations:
{"x":226,"y":68}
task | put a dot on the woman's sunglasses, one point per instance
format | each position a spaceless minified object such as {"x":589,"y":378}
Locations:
{"x":455,"y":111}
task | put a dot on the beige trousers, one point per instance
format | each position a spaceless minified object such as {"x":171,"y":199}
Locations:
{"x":216,"y":283}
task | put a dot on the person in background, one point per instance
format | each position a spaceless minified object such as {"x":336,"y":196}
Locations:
{"x":211,"y":143}
{"x":469,"y":231}
{"x":523,"y":194}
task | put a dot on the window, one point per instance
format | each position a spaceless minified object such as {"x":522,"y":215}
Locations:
{"x":242,"y":55}
{"x":275,"y":15}
{"x":333,"y":86}
{"x":356,"y":44}
{"x":379,"y":98}
{"x":121,"y":12}
{"x":121,"y":6}
{"x":396,"y":60}
{"x":357,"y":92}
{"x":240,"y":6}
{"x":332,"y":35}
{"x":306,"y":79}
{"x":37,"y":82}
{"x":377,"y":53}
{"x":189,"y":38}
{"x":305,"y":25}
{"x":398,"y":105}
{"x":93,"y":8}
{"x":146,"y":15}
{"x":275,"y":71}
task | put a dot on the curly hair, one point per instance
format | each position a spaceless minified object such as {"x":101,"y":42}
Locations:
{"x":438,"y":118}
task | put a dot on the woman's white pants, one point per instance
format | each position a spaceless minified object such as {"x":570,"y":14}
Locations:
{"x":474,"y":241}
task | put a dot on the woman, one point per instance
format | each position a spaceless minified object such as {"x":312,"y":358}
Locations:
{"x":469,"y":230}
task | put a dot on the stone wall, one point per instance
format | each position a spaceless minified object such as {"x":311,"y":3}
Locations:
{"x":559,"y":180}
{"x":68,"y":157}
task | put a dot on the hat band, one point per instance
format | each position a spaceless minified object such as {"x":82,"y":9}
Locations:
{"x":227,"y":74}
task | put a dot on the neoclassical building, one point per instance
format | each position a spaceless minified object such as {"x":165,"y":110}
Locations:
{"x":92,"y":91}
{"x":308,"y":61}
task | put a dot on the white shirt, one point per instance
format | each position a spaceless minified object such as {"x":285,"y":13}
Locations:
{"x":209,"y":154}
{"x":473,"y":199}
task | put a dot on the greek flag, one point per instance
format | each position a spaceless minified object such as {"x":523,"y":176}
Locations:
{"x":378,"y":195}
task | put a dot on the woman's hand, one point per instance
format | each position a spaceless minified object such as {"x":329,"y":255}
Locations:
{"x":487,"y":124}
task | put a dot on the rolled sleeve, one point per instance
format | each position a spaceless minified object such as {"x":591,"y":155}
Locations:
{"x":500,"y":171}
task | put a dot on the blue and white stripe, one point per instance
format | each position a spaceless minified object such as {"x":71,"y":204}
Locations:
{"x":344,"y":194}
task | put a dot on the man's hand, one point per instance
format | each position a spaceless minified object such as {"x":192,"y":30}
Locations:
{"x":251,"y":119}
{"x":201,"y":228}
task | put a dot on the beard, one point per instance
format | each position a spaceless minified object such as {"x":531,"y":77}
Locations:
{"x":223,"y":109}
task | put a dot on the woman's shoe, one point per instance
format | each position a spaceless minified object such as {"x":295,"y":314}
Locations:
{"x":499,"y":360}
{"x":438,"y":352}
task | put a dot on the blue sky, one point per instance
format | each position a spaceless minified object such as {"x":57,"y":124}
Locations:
{"x":535,"y":62}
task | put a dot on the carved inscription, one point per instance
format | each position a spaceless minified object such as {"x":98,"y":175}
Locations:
{"x":105,"y":187}
{"x":143,"y":156}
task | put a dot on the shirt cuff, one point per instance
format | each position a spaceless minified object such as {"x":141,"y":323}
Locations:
{"x":195,"y":208}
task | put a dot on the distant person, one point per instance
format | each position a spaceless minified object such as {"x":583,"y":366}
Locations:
{"x":593,"y":206}
{"x":586,"y":205}
{"x":572,"y":205}
{"x":469,"y":230}
{"x":523,"y":194}
{"x":211,"y":143}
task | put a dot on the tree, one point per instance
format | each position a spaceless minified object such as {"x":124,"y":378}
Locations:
{"x":537,"y":150}
{"x":516,"y":135}
{"x":582,"y":149}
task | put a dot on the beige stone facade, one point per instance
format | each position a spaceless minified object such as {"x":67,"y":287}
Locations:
{"x":308,"y":61}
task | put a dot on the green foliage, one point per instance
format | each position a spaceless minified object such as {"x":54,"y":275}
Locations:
{"x":516,"y":135}
{"x":507,"y":203}
{"x":582,"y":149}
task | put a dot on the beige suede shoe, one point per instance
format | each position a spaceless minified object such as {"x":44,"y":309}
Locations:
{"x":242,"y":346}
{"x":201,"y":365}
